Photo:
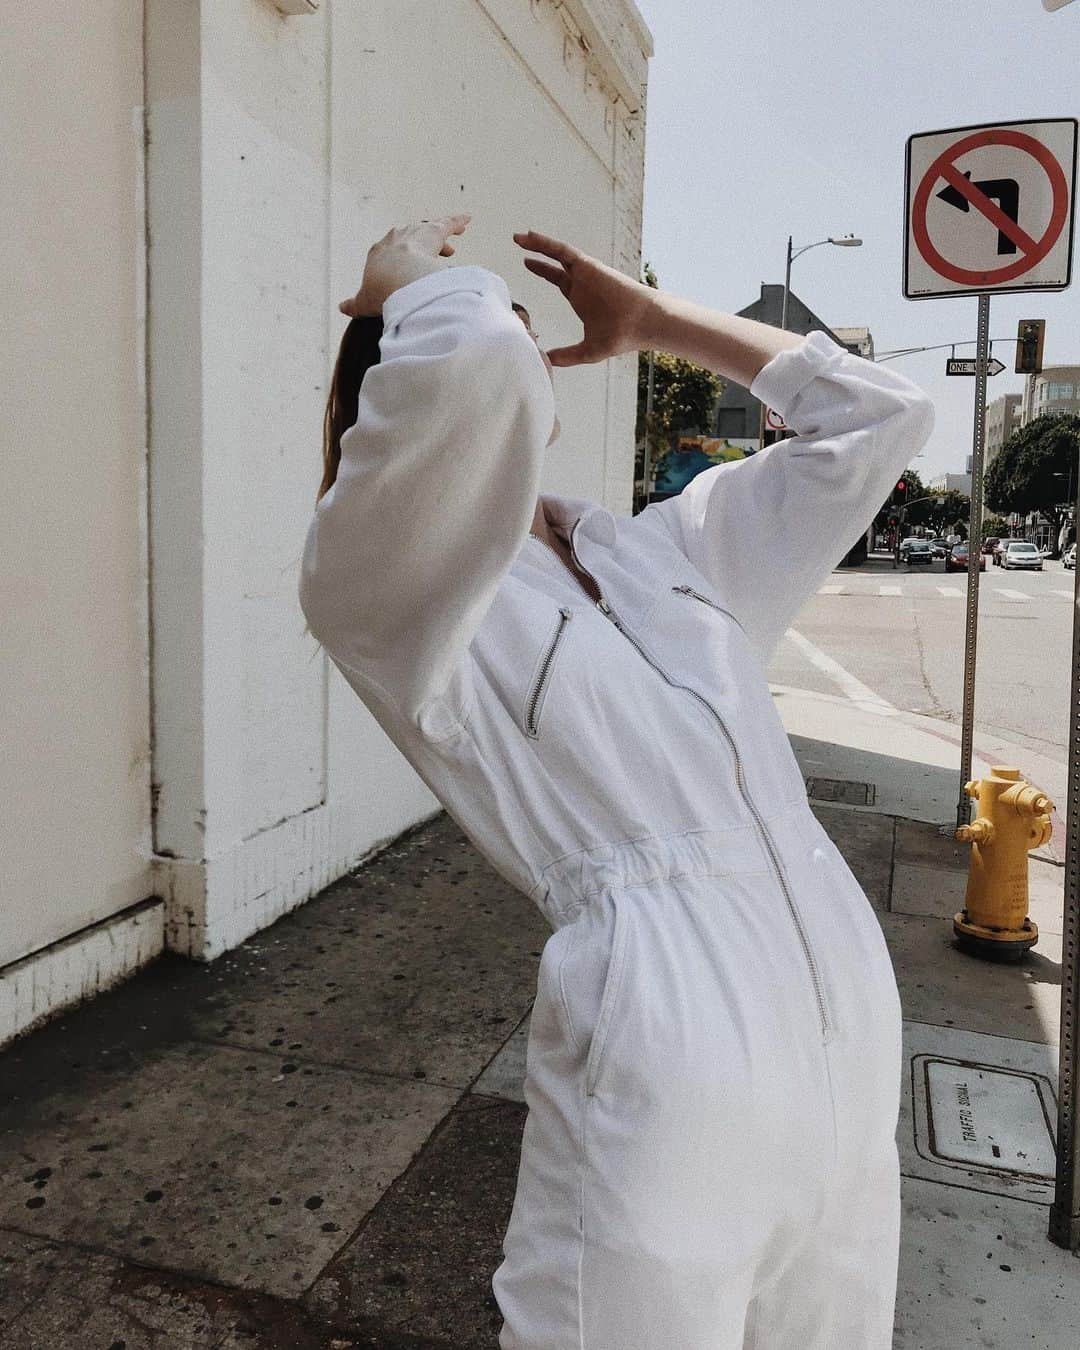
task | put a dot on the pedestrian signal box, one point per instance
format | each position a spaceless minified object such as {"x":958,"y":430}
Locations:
{"x":1029,"y":346}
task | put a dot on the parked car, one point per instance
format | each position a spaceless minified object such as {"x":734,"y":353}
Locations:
{"x":919,"y":551}
{"x":1020,"y":553}
{"x":990,"y":543}
{"x":956,"y":560}
{"x":1068,"y":558}
{"x":1001,"y":546}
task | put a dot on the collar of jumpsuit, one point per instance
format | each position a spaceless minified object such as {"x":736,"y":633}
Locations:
{"x":597,"y":522}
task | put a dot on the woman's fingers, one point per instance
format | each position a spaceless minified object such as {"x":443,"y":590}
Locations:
{"x":577,"y":355}
{"x":544,"y":243}
{"x":558,"y":276}
{"x":439,"y":230}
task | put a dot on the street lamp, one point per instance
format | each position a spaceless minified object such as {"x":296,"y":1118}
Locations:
{"x":845,"y":241}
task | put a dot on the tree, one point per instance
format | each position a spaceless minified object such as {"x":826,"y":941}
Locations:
{"x":1035,"y":467}
{"x":684,"y":397}
{"x":951,"y":511}
{"x":997,"y":526}
{"x":913,"y":488}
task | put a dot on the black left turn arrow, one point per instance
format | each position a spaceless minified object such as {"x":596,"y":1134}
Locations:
{"x":1005,"y":191}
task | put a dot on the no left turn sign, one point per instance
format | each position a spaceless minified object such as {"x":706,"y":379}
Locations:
{"x":990,"y":208}
{"x":774,"y":420}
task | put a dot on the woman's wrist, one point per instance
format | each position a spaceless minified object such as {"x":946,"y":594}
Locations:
{"x":728,"y":344}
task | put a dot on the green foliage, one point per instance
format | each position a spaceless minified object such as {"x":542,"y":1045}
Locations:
{"x":1033,"y":469}
{"x":684,"y":396}
{"x":997,"y":526}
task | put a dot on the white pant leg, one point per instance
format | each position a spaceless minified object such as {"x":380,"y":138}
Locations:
{"x":679,"y":1118}
{"x":838,"y":1292}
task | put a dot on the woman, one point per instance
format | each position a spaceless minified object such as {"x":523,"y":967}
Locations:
{"x":713,"y":1071}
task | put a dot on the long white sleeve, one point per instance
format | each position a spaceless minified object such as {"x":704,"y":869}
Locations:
{"x":767,"y":530}
{"x":435,"y":492}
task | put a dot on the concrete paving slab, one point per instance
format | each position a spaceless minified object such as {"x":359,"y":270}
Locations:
{"x":941,"y":985}
{"x":942,"y":1133}
{"x":85,"y":1300}
{"x":418,"y":965}
{"x":932,"y":891}
{"x":246,"y":1168}
{"x":423,"y":1262}
{"x":921,"y":842}
{"x":978,"y":1270}
{"x":79,"y":1298}
{"x":505,"y":1075}
{"x":941,"y":892}
{"x":866,"y":841}
{"x":913,"y":761}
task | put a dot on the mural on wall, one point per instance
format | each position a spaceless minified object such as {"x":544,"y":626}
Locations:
{"x":689,"y":455}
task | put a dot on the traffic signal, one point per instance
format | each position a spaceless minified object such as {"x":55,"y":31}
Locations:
{"x":899,"y":495}
{"x":1029,"y":346}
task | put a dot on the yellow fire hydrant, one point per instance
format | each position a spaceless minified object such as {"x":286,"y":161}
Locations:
{"x":1013,"y":817}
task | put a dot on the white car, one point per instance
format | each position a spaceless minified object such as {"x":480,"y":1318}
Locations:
{"x":1021,"y":554}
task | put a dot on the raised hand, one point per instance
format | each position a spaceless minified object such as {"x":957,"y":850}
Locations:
{"x":403,"y":254}
{"x":610,"y":305}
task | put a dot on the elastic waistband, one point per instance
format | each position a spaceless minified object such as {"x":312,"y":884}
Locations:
{"x":567,"y":883}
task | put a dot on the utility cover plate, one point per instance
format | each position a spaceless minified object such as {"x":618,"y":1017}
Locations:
{"x":840,"y":790}
{"x":986,"y":1117}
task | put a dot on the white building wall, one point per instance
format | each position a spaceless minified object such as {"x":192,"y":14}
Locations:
{"x":77,"y":894}
{"x":186,"y":764}
{"x":280,"y":149}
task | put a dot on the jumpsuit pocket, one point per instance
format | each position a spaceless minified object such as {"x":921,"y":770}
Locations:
{"x":609,"y":997}
{"x":541,"y":681}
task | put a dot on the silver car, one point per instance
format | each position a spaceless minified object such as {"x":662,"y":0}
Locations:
{"x":1021,"y":554}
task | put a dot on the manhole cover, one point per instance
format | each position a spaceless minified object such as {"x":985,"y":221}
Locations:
{"x":840,"y":790}
{"x":981,"y":1116}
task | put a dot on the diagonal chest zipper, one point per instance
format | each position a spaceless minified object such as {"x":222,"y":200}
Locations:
{"x":696,"y":595}
{"x":543,"y":675}
{"x":815,"y":975}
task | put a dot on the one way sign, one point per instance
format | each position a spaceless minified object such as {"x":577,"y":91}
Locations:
{"x":990,"y":208}
{"x":960,"y":365}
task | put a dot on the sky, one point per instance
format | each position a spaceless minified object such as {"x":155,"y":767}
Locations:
{"x":766,"y":120}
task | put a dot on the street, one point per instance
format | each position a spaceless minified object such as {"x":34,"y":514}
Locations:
{"x":897,"y":636}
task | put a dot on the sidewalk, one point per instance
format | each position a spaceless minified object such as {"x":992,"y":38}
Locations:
{"x":313,"y":1142}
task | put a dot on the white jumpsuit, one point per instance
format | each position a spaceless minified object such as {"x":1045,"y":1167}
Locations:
{"x":713,"y":1069}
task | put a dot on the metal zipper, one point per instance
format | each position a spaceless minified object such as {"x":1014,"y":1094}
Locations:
{"x":605,"y":609}
{"x":689,"y":590}
{"x":542,"y":678}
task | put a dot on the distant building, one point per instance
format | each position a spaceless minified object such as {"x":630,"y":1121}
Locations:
{"x":951,"y":482}
{"x":860,"y":341}
{"x":738,"y":413}
{"x":1057,"y":390}
{"x":1002,"y":419}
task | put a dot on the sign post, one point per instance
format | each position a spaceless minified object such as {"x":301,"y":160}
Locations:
{"x":990,"y":209}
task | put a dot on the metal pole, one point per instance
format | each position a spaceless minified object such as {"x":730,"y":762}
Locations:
{"x":787,"y":286}
{"x":1065,"y":1211}
{"x":963,"y":805}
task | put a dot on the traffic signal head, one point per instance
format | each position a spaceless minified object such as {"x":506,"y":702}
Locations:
{"x":1029,"y":346}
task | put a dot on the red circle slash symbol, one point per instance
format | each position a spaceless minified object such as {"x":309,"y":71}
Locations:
{"x":1032,"y":251}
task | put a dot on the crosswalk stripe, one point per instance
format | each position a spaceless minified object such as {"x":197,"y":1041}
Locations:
{"x":1011,"y":595}
{"x":950,"y":590}
{"x":1069,"y":595}
{"x":833,"y":590}
{"x":889,"y":590}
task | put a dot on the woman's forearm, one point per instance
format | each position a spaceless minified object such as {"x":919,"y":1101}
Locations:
{"x":725,"y":343}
